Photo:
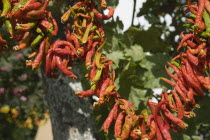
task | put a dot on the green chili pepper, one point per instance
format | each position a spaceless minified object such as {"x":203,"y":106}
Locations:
{"x":97,"y":32}
{"x":93,"y":87}
{"x":72,"y":11}
{"x":93,"y":28}
{"x":38,"y":39}
{"x":98,"y":75}
{"x":6,"y":7}
{"x":192,"y":16}
{"x":145,"y":114}
{"x":27,"y":26}
{"x":19,"y":5}
{"x":101,"y":46}
{"x":97,"y":59}
{"x":176,"y":64}
{"x":86,"y":34}
{"x":96,"y":37}
{"x":9,"y":27}
{"x":206,"y":20}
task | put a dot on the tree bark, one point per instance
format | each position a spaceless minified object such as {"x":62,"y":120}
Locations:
{"x":71,"y":116}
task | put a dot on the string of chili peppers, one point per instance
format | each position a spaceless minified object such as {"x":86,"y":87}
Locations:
{"x":188,"y":80}
{"x":28,"y":23}
{"x":84,"y":41}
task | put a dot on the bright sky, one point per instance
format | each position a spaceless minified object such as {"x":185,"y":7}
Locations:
{"x":125,"y":10}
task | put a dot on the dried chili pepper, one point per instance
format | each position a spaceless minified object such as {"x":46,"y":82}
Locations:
{"x":6,"y":7}
{"x":109,"y":119}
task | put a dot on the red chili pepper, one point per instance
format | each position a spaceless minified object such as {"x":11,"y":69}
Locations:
{"x":207,"y":5}
{"x":158,"y":107}
{"x":36,"y":14}
{"x":90,"y":54}
{"x":24,"y":42}
{"x":92,"y":72}
{"x":60,"y":43}
{"x":54,"y":23}
{"x":174,"y":119}
{"x":3,"y":43}
{"x":192,"y":83}
{"x":190,"y":70}
{"x":48,"y":61}
{"x":26,"y":27}
{"x":106,"y":71}
{"x":53,"y":66}
{"x":178,"y":104}
{"x":44,"y":7}
{"x":198,"y":49}
{"x":189,"y":114}
{"x":31,"y":5}
{"x":127,"y":126}
{"x":123,"y":104}
{"x":193,"y":59}
{"x":166,"y":134}
{"x":104,"y":17}
{"x":65,"y":16}
{"x":90,"y":43}
{"x":190,"y":7}
{"x":103,"y":89}
{"x":63,"y":51}
{"x":190,"y":43}
{"x":40,"y":54}
{"x":158,"y":134}
{"x":190,"y":95}
{"x":182,"y":94}
{"x":190,"y":20}
{"x":171,"y":103}
{"x":185,"y":38}
{"x":75,"y":40}
{"x":177,"y":71}
{"x":103,"y":4}
{"x":118,"y":124}
{"x":171,"y":75}
{"x":109,"y":119}
{"x":61,"y":66}
{"x":205,"y":83}
{"x":87,"y":93}
{"x":84,"y":16}
{"x":135,"y":134}
{"x":152,"y":126}
{"x":198,"y":20}
{"x":167,"y":122}
{"x":182,"y":86}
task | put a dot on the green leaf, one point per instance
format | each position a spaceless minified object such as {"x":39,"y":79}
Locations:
{"x":154,"y":65}
{"x":138,"y":95}
{"x":135,"y":53}
{"x":150,"y":39}
{"x":115,"y":56}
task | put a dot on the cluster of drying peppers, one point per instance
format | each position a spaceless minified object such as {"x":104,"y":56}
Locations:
{"x":28,"y":23}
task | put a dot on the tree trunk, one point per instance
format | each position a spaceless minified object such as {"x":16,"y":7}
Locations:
{"x":71,"y":116}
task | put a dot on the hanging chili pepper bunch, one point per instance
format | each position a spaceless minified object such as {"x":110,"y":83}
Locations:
{"x":85,"y":40}
{"x":30,"y":24}
{"x":189,"y":80}
{"x":190,"y":76}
